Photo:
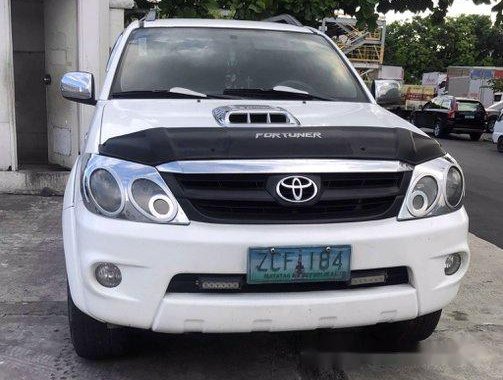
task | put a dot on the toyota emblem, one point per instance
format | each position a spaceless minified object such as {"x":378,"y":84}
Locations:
{"x":296,"y":189}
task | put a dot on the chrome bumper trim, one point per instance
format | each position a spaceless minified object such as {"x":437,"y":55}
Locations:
{"x":283,"y":166}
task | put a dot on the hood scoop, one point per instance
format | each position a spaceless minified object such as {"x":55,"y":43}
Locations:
{"x":253,"y":115}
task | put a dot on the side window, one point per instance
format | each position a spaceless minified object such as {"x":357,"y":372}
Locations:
{"x":436,"y":103}
{"x":446,"y":104}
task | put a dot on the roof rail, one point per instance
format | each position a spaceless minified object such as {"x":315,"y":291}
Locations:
{"x":284,"y":19}
{"x":150,"y":16}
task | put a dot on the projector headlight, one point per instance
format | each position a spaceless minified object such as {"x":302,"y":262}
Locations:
{"x":423,"y":197}
{"x":437,"y":187}
{"x":126,"y":190}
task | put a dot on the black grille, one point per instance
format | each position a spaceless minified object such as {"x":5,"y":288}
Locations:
{"x":250,"y":198}
{"x":189,"y":282}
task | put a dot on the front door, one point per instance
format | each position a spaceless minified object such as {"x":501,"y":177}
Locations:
{"x":29,"y":70}
{"x":60,"y":18}
{"x":420,"y":116}
{"x":431,"y":112}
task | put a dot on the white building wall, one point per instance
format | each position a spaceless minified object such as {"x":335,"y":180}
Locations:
{"x":7,"y":116}
{"x":93,"y":39}
{"x":99,"y":22}
{"x":117,"y":17}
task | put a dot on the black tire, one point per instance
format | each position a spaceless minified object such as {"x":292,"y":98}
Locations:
{"x":407,"y":332}
{"x":475,"y":136}
{"x":499,"y":146}
{"x":93,"y":339}
{"x":439,"y":131}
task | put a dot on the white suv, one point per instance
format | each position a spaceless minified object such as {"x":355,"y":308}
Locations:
{"x":498,"y":132}
{"x":238,"y":177}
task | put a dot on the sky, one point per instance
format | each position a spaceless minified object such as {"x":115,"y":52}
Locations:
{"x":457,"y":8}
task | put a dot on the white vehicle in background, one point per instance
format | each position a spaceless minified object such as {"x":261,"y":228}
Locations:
{"x":492,"y":114}
{"x":239,"y":176}
{"x":498,"y":132}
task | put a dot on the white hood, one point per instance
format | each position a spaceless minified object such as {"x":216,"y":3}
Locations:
{"x":126,"y":116}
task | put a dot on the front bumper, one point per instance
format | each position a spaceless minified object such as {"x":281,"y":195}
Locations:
{"x":496,"y":135}
{"x":460,"y":127}
{"x":149,"y":255}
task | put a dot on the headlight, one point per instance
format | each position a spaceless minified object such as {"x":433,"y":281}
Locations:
{"x":106,"y":192}
{"x":454,"y":187}
{"x":436,"y":188}
{"x":127,"y":190}
{"x":423,"y":197}
{"x":151,"y":200}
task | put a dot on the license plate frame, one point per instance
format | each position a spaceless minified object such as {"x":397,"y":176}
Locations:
{"x":259,"y":258}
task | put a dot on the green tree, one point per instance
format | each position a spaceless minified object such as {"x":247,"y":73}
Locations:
{"x":309,"y":12}
{"x":424,"y":45}
{"x":496,"y":84}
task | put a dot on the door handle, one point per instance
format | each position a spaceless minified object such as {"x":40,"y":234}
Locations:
{"x":47,"y":79}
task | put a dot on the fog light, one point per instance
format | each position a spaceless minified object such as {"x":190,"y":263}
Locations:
{"x":452,"y":263}
{"x":108,"y":274}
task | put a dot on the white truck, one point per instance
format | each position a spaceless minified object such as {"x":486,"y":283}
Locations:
{"x":437,"y":80}
{"x":239,"y":176}
{"x":473,"y":82}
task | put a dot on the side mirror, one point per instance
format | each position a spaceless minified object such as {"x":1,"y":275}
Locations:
{"x":78,"y":86}
{"x":387,"y":91}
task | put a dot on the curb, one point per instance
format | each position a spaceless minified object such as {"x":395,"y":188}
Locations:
{"x":33,"y":182}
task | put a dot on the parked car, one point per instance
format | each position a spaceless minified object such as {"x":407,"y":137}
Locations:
{"x":498,"y":132}
{"x":492,"y":113}
{"x":239,"y":176}
{"x":447,"y":114}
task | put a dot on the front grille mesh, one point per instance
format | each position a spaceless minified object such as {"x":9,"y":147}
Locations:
{"x":245,"y":198}
{"x":238,"y":210}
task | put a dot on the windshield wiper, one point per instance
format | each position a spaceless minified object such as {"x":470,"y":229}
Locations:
{"x":278,"y":92}
{"x":172,"y":93}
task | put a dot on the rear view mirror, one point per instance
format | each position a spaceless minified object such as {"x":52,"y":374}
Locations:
{"x":387,"y":91}
{"x":78,"y":86}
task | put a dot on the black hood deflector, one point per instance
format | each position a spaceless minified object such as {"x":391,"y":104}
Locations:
{"x":161,"y":145}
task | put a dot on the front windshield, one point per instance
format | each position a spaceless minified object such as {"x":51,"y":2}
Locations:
{"x":216,"y":61}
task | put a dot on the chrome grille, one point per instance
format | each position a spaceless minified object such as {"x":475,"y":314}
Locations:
{"x":248,"y":198}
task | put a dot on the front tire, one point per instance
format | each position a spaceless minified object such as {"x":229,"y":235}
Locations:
{"x":475,"y":136}
{"x":407,"y":332}
{"x":93,"y":339}
{"x":499,"y":146}
{"x":439,"y":131}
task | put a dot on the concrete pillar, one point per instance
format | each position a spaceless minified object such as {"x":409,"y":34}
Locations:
{"x":117,"y":17}
{"x":8,"y":157}
{"x":93,"y":47}
{"x":99,"y":24}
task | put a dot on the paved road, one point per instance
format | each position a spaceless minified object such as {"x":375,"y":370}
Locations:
{"x":35,"y":342}
{"x":483,"y":168}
